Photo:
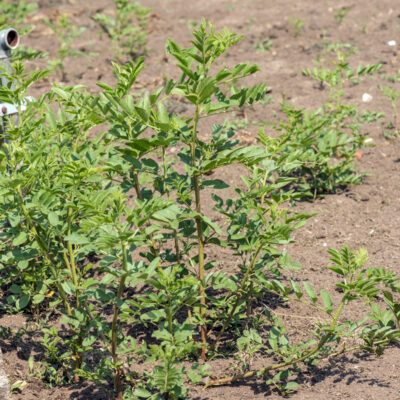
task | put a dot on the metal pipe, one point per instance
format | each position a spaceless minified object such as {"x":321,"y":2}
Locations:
{"x":9,"y":40}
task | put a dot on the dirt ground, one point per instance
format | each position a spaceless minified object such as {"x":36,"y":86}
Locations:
{"x":366,"y":216}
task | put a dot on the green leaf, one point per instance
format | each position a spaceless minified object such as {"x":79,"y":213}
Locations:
{"x":15,"y":289}
{"x":140,"y":392}
{"x":20,"y":239}
{"x":186,"y":70}
{"x":38,"y":298}
{"x":154,"y":315}
{"x":163,"y":117}
{"x":22,"y":302}
{"x":68,"y":287}
{"x":211,"y":224}
{"x":326,"y":298}
{"x":143,"y":108}
{"x":310,"y":292}
{"x":89,"y":340}
{"x":291,"y":385}
{"x":53,"y":218}
{"x":206,"y":89}
{"x":14,"y":220}
{"x":215,"y":184}
{"x":169,"y":86}
{"x":296,"y":289}
{"x":77,"y":239}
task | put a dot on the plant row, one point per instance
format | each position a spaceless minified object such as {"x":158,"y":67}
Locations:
{"x":108,"y":230}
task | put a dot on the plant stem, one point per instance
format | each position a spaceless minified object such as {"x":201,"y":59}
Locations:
{"x":248,"y":304}
{"x":114,"y":327}
{"x":140,"y":197}
{"x":72,"y":258}
{"x":200,"y":242}
{"x":70,"y":264}
{"x":45,"y":252}
{"x":264,"y":370}
{"x":176,"y":241}
{"x":239,"y":295}
{"x":396,"y":129}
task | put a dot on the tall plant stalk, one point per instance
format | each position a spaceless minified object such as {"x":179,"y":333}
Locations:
{"x":136,"y":184}
{"x":114,"y":327}
{"x":200,"y":242}
{"x":175,"y":232}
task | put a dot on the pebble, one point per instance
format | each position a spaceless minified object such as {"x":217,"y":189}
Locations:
{"x":366,"y":98}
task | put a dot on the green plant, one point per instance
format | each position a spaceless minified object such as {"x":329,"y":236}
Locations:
{"x":44,"y":216}
{"x":67,"y":34}
{"x":393,"y":96}
{"x":374,"y":331}
{"x":17,"y":386}
{"x":314,"y":149}
{"x":128,"y":38}
{"x":113,"y":233}
{"x":370,"y":116}
{"x":263,"y":45}
{"x":298,"y":25}
{"x":317,"y":147}
{"x":342,"y":73}
{"x":14,"y":13}
{"x":340,"y":14}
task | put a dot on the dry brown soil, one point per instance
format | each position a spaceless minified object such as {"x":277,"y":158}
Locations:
{"x":362,"y":216}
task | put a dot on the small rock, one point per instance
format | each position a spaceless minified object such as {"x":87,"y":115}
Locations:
{"x":391,"y":43}
{"x":366,"y":98}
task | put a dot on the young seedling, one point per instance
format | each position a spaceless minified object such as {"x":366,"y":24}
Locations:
{"x":14,"y":13}
{"x":263,"y":46}
{"x":127,"y":30}
{"x":340,"y":14}
{"x":67,"y":34}
{"x":317,"y":147}
{"x":298,"y":25}
{"x":393,"y":96}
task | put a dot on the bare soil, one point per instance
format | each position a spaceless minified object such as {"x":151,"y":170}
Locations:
{"x":366,"y":216}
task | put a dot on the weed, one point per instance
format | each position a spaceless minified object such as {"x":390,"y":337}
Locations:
{"x":317,"y":148}
{"x":128,"y":38}
{"x":340,"y":14}
{"x":14,"y":13}
{"x":393,"y":96}
{"x":263,"y":45}
{"x":298,"y":25}
{"x":67,"y":33}
{"x":370,"y":116}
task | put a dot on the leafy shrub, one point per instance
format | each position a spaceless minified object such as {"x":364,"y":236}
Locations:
{"x":112,"y":233}
{"x":317,"y":147}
